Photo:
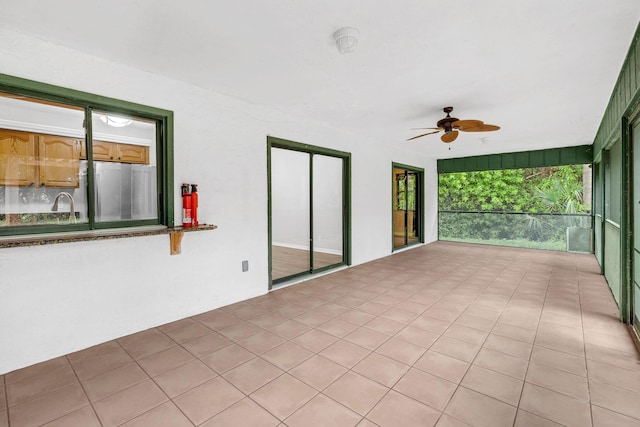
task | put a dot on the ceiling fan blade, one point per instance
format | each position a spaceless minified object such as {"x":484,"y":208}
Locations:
{"x":449,"y":137}
{"x":424,"y":134}
{"x":483,"y":128}
{"x":464,"y":124}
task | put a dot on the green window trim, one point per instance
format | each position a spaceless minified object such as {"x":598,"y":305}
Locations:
{"x":164,"y":137}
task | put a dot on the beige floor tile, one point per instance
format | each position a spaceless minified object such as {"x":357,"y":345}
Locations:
{"x":443,"y":366}
{"x":35,"y":386}
{"x":430,"y":324}
{"x":356,"y":392}
{"x":314,"y":340}
{"x":332,"y":309}
{"x":184,"y":378}
{"x":395,"y":409}
{"x":4,"y":419}
{"x":448,"y":421}
{"x":508,"y":346}
{"x":475,"y":322}
{"x":426,"y":388}
{"x":493,"y":384}
{"x":101,"y":363}
{"x":381,"y":369}
{"x":48,"y":407}
{"x":455,"y":348}
{"x":527,"y":419}
{"x":356,"y":317}
{"x":94,"y":351}
{"x":139,"y":336}
{"x":337,"y":328}
{"x":243,"y":413}
{"x":283,"y":396}
{"x":287,"y":355}
{"x":417,"y":336}
{"x":514,"y":332}
{"x":227,"y":358}
{"x":206,"y":344}
{"x":466,"y":334}
{"x":399,"y":315}
{"x":610,"y":374}
{"x":614,"y":342}
{"x":560,"y":381}
{"x":480,"y":410}
{"x":312,"y":318}
{"x":164,"y":415}
{"x":565,"y":344}
{"x":385,"y":326}
{"x":318,"y":372}
{"x":261,"y":342}
{"x":239,"y":331}
{"x":289,"y":329}
{"x":268,"y":319}
{"x":554,"y":406}
{"x":84,"y":417}
{"x":559,"y":360}
{"x":111,"y":382}
{"x":323,"y":411}
{"x":208,"y":399}
{"x":149,"y":346}
{"x":502,"y":363}
{"x":367,"y":338}
{"x":605,"y":418}
{"x":188,"y":332}
{"x":400,"y":350}
{"x":165,"y":360}
{"x":217,"y":319}
{"x":252,"y":375}
{"x":614,"y":398}
{"x":345,"y":353}
{"x":127,"y":404}
{"x":613,"y":357}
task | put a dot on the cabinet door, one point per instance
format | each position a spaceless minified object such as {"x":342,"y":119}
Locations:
{"x":127,"y":153}
{"x":59,"y":161}
{"x":104,"y":151}
{"x":17,"y":158}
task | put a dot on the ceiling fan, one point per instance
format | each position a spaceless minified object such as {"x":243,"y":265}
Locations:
{"x":451,"y":127}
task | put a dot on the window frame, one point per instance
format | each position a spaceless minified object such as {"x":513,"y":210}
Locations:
{"x":90,"y":102}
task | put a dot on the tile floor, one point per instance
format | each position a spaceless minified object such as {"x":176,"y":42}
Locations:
{"x":445,"y":334}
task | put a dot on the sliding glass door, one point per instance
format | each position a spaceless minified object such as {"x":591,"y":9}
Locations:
{"x":407,"y":205}
{"x":308,"y":207}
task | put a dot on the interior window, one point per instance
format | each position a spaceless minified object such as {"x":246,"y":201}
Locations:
{"x":51,"y":181}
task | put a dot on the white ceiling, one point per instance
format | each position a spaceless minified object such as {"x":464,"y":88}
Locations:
{"x":541,"y":69}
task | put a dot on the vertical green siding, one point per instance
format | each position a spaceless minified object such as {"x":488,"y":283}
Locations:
{"x":625,"y":96}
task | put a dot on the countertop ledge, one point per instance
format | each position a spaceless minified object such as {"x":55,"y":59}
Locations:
{"x":107,"y":234}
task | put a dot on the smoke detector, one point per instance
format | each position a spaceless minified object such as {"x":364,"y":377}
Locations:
{"x":346,"y":39}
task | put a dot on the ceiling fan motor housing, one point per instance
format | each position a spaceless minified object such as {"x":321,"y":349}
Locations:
{"x":447,"y":121}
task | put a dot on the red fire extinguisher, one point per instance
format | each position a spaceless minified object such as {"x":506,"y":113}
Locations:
{"x":186,"y":206}
{"x":194,"y":204}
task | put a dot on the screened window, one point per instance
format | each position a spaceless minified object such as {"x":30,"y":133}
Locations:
{"x":67,"y":166}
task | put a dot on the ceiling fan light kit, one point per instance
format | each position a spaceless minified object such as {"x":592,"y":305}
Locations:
{"x":450,"y":126}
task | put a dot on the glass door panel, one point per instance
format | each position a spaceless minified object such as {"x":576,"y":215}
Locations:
{"x":407,"y":206}
{"x":327,"y":211}
{"x":399,"y":211}
{"x":410,"y":204}
{"x":290,"y":213}
{"x":635,"y":289}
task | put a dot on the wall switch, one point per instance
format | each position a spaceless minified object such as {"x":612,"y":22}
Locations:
{"x":245,"y":266}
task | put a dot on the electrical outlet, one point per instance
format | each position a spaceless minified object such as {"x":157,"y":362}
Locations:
{"x":245,"y":266}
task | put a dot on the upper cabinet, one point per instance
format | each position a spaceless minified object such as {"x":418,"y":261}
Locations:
{"x":117,"y":152}
{"x":28,"y":159}
{"x":17,"y":158}
{"x":59,"y":161}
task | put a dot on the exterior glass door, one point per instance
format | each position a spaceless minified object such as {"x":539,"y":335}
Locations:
{"x":308,"y":208}
{"x":407,"y":206}
{"x":635,"y":289}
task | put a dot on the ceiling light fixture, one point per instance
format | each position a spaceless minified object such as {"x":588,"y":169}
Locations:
{"x":115,"y":121}
{"x":346,"y":39}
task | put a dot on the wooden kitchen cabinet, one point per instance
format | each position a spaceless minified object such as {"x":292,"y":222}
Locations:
{"x":17,"y":158}
{"x":59,"y":161}
{"x":117,"y":152}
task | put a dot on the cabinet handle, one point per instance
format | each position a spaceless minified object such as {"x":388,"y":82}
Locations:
{"x":111,"y":158}
{"x":119,"y":158}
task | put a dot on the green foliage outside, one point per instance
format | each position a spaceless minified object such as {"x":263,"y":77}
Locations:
{"x":490,"y":200}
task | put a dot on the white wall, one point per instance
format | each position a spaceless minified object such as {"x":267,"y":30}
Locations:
{"x":59,"y":298}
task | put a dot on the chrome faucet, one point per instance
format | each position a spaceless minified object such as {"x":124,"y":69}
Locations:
{"x":72,"y":211}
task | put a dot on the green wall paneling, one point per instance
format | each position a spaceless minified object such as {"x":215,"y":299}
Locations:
{"x":612,"y":258}
{"x":582,"y":154}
